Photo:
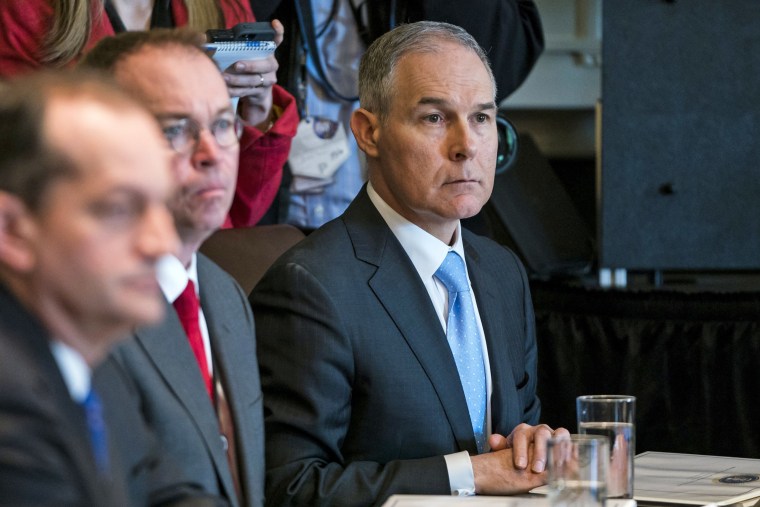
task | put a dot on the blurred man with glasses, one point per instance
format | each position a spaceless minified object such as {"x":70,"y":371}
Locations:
{"x":196,"y":371}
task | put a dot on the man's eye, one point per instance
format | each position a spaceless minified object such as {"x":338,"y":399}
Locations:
{"x":223,"y":124}
{"x":481,"y":118}
{"x":116,"y":210}
{"x":173,"y":131}
{"x":434,"y":118}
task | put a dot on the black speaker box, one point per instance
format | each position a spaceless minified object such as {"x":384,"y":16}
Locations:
{"x":680,"y":128}
{"x":531,"y":212}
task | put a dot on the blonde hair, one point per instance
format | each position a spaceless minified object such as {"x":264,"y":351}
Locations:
{"x":202,"y":15}
{"x":72,"y":24}
{"x":73,"y":21}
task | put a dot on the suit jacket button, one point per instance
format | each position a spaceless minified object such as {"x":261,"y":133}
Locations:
{"x":225,"y":444}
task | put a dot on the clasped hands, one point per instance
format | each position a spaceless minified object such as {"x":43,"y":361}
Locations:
{"x":516,"y":463}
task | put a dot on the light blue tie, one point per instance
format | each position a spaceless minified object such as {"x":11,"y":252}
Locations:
{"x":464,"y":339}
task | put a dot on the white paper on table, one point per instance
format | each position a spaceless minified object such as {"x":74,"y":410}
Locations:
{"x":482,"y":501}
{"x":693,"y":479}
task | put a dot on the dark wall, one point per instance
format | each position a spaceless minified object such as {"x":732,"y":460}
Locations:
{"x":680,"y":129}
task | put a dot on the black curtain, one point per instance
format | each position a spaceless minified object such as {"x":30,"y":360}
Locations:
{"x":691,"y":359}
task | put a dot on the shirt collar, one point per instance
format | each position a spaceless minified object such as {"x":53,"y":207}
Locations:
{"x":76,"y":374}
{"x":172,"y":276}
{"x":425,"y":250}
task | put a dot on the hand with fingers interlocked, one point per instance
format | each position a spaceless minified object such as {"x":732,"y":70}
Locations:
{"x":516,"y":463}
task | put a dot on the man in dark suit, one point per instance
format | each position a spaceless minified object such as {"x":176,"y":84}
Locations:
{"x":372,"y":384}
{"x":83,"y":222}
{"x":196,"y":371}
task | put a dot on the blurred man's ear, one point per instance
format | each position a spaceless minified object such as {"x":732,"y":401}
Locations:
{"x":365,"y":127}
{"x":16,"y":229}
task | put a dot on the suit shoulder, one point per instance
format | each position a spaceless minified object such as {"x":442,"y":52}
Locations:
{"x":213,"y":277}
{"x":490,"y":250}
{"x":210,"y":269}
{"x":23,"y":368}
{"x":319,"y":248}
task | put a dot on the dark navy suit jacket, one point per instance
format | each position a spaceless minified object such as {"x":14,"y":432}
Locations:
{"x":45,"y":452}
{"x":361,"y":392}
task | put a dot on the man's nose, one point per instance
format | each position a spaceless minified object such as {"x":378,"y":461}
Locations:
{"x":462,"y":142}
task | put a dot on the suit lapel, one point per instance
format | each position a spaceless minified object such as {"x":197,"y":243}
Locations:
{"x":399,"y":289}
{"x":500,"y":354}
{"x":228,"y":339}
{"x":30,"y":337}
{"x":73,"y":425}
{"x":166,"y":345}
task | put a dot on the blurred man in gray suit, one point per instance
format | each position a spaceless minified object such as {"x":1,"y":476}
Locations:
{"x":397,"y":350}
{"x":197,"y":370}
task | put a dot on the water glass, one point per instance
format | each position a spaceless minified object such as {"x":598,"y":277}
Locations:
{"x":577,"y":470}
{"x":612,"y":416}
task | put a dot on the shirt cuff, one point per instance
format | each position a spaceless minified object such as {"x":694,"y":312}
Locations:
{"x":461,"y":476}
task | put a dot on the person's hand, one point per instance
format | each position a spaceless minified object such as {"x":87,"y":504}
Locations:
{"x":252,"y":81}
{"x":522,"y":438}
{"x":516,"y":463}
{"x":495,"y":474}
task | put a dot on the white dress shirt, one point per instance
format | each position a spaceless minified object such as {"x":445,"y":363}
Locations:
{"x":172,"y":278}
{"x":76,"y":373}
{"x":427,"y":253}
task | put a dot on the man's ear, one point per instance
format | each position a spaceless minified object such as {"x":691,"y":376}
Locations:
{"x":366,"y":129}
{"x":16,"y":233}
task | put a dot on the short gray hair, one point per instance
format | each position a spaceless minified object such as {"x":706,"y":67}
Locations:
{"x":378,"y":65}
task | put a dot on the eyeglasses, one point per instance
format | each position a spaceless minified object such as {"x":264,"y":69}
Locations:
{"x":183,"y":134}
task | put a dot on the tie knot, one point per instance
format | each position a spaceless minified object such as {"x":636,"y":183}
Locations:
{"x":187,"y":302}
{"x":453,"y":274}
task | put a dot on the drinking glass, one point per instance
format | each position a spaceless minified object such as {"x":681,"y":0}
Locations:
{"x":577,"y":470}
{"x":612,"y":416}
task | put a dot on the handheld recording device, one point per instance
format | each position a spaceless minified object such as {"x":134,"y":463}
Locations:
{"x":258,"y":31}
{"x":245,"y":41}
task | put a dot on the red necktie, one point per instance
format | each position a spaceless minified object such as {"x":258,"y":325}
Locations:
{"x":187,"y":307}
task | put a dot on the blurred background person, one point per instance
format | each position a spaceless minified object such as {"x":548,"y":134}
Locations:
{"x":56,"y":33}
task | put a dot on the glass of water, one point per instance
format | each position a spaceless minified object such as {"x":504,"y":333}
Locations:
{"x":612,"y":416}
{"x":577,"y":470}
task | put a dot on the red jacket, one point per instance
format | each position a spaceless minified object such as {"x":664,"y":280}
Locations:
{"x":24,"y":24}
